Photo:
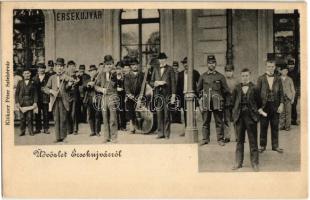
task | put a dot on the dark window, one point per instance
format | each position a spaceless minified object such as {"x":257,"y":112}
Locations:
{"x":140,"y":35}
{"x":28,"y":38}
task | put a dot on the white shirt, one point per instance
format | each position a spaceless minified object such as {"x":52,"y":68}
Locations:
{"x":41,"y":77}
{"x":270,"y":81}
{"x":26,"y":82}
{"x":185,"y":82}
{"x":58,"y":81}
{"x":162,"y":69}
{"x":107,"y":76}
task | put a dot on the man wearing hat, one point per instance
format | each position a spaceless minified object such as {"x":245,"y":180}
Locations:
{"x":106,"y":85}
{"x":215,"y":90}
{"x":163,"y":82}
{"x":84,"y":78}
{"x":121,"y":114}
{"x":133,"y":83}
{"x":175,"y":112}
{"x":231,"y":82}
{"x":182,"y":87}
{"x":271,"y":104}
{"x":295,"y":76}
{"x":40,"y":81}
{"x":90,"y":101}
{"x":59,"y":87}
{"x":74,"y":100}
{"x":289,"y":96}
{"x":25,"y":97}
{"x":50,"y":71}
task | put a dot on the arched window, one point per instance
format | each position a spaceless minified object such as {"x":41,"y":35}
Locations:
{"x":28,"y":37}
{"x":140,"y":35}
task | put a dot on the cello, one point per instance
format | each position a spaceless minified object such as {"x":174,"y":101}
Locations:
{"x":146,"y":119}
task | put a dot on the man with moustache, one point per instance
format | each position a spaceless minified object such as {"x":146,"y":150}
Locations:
{"x":272,"y":98}
{"x":245,"y":102}
{"x":133,"y":82}
{"x":163,"y":82}
{"x":215,"y":90}
{"x":83,"y":79}
{"x":182,"y":87}
{"x":59,"y":87}
{"x":106,"y":85}
{"x":26,"y":96}
{"x":40,"y":81}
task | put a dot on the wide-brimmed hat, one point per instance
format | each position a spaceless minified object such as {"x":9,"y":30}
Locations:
{"x":184,"y":60}
{"x":92,"y":67}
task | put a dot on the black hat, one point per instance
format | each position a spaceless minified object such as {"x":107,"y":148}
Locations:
{"x":71,"y":62}
{"x":175,"y":63}
{"x":41,"y":65}
{"x":91,"y":67}
{"x":229,"y":68}
{"x":162,"y":56}
{"x":50,"y":63}
{"x":26,"y":69}
{"x":283,"y":66}
{"x":184,"y":60}
{"x":134,"y":61}
{"x":119,"y":64}
{"x":290,"y":62}
{"x":82,"y":67}
{"x":60,"y":61}
{"x":211,"y":59}
{"x":271,"y":57}
{"x":108,"y":58}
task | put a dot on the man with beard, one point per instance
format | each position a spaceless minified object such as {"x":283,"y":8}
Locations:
{"x":215,"y":90}
{"x":133,"y":83}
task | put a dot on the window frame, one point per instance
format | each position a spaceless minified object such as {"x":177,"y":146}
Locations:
{"x":139,"y":21}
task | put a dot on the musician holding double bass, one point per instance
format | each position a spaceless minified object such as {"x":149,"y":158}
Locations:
{"x":133,"y":82}
{"x":59,"y":86}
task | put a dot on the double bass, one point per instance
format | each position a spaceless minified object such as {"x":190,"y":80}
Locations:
{"x":146,"y":119}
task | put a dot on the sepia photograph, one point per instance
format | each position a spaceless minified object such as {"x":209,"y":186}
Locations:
{"x":124,"y":100}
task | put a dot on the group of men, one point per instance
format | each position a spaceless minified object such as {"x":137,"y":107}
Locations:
{"x":109,"y":95}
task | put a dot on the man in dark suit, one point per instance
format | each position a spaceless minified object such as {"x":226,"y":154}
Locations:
{"x":272,"y":99}
{"x":163,"y":81}
{"x":182,"y":87}
{"x":83,"y":77}
{"x":59,"y":87}
{"x":91,"y":103}
{"x":121,"y":114}
{"x":215,"y":91}
{"x":74,"y":100}
{"x":106,"y":85}
{"x":50,"y":71}
{"x":175,"y":109}
{"x":25,"y":97}
{"x":133,"y":82}
{"x":295,"y":76}
{"x":40,"y":81}
{"x":245,"y":102}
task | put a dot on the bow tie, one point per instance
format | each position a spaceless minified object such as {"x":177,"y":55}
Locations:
{"x":162,"y":67}
{"x":269,"y":75}
{"x":245,"y":84}
{"x":211,"y":72}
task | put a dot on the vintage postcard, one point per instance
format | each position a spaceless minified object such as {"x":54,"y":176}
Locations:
{"x":154,"y":100}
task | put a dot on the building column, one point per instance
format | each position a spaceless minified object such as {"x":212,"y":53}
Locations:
{"x":191,"y":131}
{"x":166,"y":33}
{"x":49,"y":32}
{"x":229,"y":53}
{"x":264,"y":37}
{"x":116,"y":35}
{"x":108,"y":32}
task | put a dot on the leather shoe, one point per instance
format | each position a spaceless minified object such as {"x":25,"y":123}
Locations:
{"x":295,"y":123}
{"x":236,"y":167}
{"x":160,"y":137}
{"x":221,"y":143}
{"x":22,"y":134}
{"x":203,"y":142}
{"x":255,"y":168}
{"x":226,"y":140}
{"x":279,"y":150}
{"x":93,"y":134}
{"x":262,"y":149}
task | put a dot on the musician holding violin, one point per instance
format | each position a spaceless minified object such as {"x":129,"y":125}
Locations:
{"x":59,"y":87}
{"x":74,"y":100}
{"x":106,"y":85}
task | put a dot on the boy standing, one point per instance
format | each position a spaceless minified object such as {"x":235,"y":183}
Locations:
{"x":289,"y":96}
